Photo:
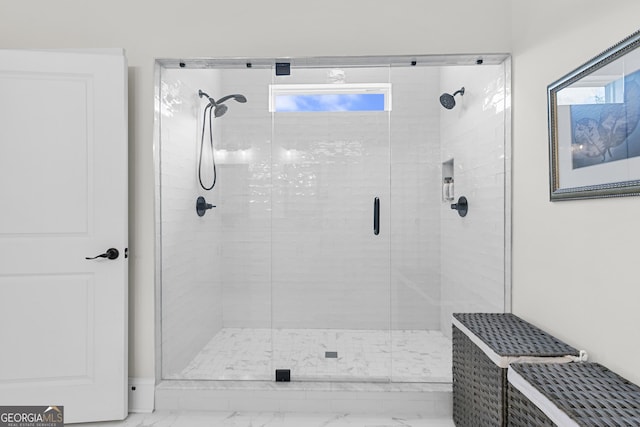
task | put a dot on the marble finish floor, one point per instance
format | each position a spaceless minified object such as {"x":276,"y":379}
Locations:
{"x":362,"y":355}
{"x":266,"y":419}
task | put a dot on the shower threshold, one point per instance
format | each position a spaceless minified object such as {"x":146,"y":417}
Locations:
{"x":427,"y":400}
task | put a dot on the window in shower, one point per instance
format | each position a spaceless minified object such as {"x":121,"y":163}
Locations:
{"x":329,"y":97}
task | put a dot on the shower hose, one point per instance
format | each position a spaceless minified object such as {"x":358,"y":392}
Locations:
{"x":213,"y":160}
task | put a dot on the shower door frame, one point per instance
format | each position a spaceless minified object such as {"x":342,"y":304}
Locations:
{"x":333,"y":61}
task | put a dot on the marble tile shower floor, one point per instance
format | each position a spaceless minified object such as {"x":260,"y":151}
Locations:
{"x":362,"y":355}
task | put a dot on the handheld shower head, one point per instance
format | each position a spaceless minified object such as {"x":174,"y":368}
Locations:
{"x":448,"y":101}
{"x":237,"y":97}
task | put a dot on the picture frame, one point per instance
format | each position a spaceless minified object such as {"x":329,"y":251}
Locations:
{"x":594,"y":126}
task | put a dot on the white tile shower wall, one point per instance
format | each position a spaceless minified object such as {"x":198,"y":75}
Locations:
{"x":472,"y":248}
{"x":311,"y":156}
{"x":191,"y":287}
{"x":415,"y":192}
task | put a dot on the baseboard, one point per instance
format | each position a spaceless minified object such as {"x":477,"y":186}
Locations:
{"x":141,"y":395}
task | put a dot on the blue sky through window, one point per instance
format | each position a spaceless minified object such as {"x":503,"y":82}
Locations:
{"x":330,"y":102}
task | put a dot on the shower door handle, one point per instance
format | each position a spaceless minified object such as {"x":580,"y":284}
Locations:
{"x":376,"y":216}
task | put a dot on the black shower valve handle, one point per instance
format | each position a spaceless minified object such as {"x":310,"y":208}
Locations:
{"x":462,"y":206}
{"x":202,"y":206}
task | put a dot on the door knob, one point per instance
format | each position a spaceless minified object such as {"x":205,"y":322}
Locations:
{"x":111,"y":253}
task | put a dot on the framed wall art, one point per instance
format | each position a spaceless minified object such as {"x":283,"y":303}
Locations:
{"x":594,"y":129}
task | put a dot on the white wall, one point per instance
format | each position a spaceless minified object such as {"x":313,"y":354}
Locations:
{"x":574,"y":263}
{"x":150,"y":29}
{"x":472,"y":247}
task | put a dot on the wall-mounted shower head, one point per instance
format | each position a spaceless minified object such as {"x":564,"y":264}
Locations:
{"x":448,"y":101}
{"x":219,"y":110}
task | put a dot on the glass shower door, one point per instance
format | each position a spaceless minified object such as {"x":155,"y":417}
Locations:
{"x":330,"y":224}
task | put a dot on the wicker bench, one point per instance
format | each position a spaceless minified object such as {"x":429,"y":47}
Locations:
{"x":484,"y":344}
{"x":575,"y":394}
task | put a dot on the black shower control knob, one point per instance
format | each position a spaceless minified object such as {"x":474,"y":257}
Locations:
{"x":202,"y":206}
{"x":462,"y":206}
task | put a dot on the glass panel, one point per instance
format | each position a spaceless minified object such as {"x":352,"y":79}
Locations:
{"x":442,"y":263}
{"x":216,"y":291}
{"x":421,"y":350}
{"x":286,"y":272}
{"x":330,"y":272}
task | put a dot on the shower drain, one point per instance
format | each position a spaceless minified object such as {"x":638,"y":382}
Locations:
{"x":331,"y":354}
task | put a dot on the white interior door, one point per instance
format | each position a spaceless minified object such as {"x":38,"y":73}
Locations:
{"x":63,"y":197}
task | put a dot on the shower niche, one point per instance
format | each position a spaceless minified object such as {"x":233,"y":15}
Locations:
{"x":448,"y":181}
{"x":287,"y":273}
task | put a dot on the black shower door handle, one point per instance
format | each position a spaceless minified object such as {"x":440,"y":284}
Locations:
{"x":376,"y":216}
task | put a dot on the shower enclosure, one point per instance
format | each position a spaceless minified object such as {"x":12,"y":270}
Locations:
{"x":332,"y":252}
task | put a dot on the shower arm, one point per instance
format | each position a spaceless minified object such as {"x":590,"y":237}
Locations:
{"x":202,"y":94}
